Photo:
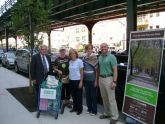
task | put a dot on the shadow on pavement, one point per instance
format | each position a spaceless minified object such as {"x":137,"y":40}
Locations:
{"x":24,"y":97}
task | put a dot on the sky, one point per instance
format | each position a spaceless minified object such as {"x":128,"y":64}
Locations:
{"x":2,"y":2}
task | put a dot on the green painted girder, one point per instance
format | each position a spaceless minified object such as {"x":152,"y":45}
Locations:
{"x":77,"y":8}
{"x":82,"y":10}
{"x":68,"y":12}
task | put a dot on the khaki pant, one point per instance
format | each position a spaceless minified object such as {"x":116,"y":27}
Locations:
{"x":108,"y":97}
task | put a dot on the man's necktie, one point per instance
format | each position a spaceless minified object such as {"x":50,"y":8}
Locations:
{"x":44,"y":65}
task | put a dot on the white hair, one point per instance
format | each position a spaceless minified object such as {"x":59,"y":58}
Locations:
{"x":43,"y":45}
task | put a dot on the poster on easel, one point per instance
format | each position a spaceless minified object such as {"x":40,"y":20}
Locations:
{"x":143,"y":75}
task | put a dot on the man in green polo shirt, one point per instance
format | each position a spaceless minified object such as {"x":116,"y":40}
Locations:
{"x":107,"y":82}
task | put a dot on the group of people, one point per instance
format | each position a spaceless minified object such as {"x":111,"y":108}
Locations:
{"x":90,"y":71}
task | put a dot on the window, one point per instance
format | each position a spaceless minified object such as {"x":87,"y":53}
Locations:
{"x":77,"y":30}
{"x":83,"y":38}
{"x":151,"y":15}
{"x":151,"y":27}
{"x":157,"y":14}
{"x":83,"y":29}
{"x":157,"y":26}
{"x":77,"y":39}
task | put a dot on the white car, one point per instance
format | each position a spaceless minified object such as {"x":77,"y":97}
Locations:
{"x":8,"y":59}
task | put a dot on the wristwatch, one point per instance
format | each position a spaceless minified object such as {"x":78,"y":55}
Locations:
{"x":114,"y":82}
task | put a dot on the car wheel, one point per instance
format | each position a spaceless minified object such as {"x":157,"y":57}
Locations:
{"x":7,"y":65}
{"x":27,"y":68}
{"x":16,"y":68}
{"x":2,"y":64}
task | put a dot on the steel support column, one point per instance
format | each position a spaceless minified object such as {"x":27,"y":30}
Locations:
{"x":49,"y":40}
{"x":90,"y":27}
{"x":1,"y":42}
{"x":131,"y":18}
{"x":15,"y":37}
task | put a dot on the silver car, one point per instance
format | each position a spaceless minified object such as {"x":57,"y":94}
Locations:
{"x":8,"y":59}
{"x":1,"y":54}
{"x":22,"y":59}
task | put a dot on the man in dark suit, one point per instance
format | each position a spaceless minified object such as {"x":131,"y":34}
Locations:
{"x":40,"y":66}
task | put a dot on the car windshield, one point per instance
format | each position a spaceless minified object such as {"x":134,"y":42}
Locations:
{"x":35,"y":51}
{"x":10,"y":55}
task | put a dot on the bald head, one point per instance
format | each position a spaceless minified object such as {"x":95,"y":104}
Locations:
{"x":104,"y":44}
{"x":104,"y":48}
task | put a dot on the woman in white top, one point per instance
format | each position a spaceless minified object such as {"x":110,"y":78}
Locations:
{"x":76,"y":80}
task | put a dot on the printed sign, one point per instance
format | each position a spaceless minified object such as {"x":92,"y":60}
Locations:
{"x":47,"y":93}
{"x":143,"y":75}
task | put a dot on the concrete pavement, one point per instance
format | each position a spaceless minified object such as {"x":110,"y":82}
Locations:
{"x":13,"y":112}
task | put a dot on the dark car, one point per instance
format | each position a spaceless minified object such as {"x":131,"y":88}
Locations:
{"x":8,"y":59}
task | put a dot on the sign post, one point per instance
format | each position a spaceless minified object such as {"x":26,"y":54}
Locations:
{"x":143,"y":75}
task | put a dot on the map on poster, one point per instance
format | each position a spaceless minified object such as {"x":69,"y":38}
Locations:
{"x":143,"y":75}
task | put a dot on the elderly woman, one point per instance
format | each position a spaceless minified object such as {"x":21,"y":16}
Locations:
{"x":76,"y":80}
{"x":90,"y":79}
{"x":62,"y":67}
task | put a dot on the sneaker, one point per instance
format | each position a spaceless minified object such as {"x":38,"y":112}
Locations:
{"x":88,"y":112}
{"x":93,"y":114}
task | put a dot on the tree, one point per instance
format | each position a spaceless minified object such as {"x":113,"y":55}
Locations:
{"x":28,"y":17}
{"x":133,"y":50}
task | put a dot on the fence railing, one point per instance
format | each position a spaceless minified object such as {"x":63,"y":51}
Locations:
{"x":8,"y":4}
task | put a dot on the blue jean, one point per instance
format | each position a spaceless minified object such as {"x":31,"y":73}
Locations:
{"x":91,"y":96}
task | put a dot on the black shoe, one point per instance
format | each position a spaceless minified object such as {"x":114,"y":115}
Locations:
{"x":78,"y":113}
{"x":72,"y":110}
{"x":113,"y":121}
{"x":104,"y":116}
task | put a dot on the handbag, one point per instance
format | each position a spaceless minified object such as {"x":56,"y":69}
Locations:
{"x":65,"y":79}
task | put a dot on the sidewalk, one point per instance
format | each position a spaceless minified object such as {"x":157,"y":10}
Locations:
{"x":12,"y":112}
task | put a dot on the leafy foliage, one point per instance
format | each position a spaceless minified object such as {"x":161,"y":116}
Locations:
{"x":28,"y":16}
{"x":147,"y":56}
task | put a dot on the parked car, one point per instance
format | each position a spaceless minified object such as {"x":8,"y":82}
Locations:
{"x":8,"y":59}
{"x":1,"y":53}
{"x":53,"y":56}
{"x":22,"y":59}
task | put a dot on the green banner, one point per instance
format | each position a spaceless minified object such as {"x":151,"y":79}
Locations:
{"x":143,"y":94}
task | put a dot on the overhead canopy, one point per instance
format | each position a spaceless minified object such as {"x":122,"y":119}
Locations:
{"x":71,"y":12}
